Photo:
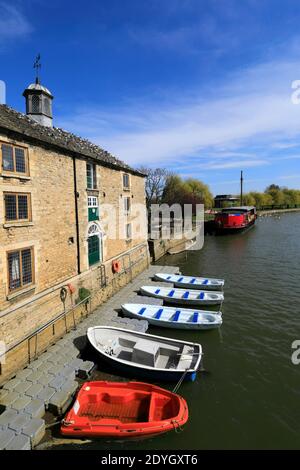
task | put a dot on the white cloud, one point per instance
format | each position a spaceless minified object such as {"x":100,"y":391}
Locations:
{"x":252,"y":108}
{"x":233,"y":164}
{"x":285,"y":145}
{"x":13,"y":23}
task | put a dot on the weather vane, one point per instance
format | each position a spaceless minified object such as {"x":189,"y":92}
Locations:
{"x":37,"y":65}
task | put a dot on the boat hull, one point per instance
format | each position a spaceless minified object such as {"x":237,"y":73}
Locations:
{"x":187,"y":356}
{"x":188,"y":285}
{"x":188,"y":297}
{"x":174,"y":324}
{"x":200,"y":283}
{"x":238,"y":229}
{"x":235,"y":219}
{"x":133,"y":371}
{"x":124,"y":410}
{"x":192,"y":301}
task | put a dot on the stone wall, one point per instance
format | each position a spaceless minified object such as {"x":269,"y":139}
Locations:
{"x":48,"y":308}
{"x":160,"y":247}
{"x":52,"y":234}
{"x":53,"y":213}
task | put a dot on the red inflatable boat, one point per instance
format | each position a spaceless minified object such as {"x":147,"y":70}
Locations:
{"x":133,"y":409}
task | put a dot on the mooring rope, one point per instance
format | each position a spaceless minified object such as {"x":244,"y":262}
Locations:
{"x":176,"y":425}
{"x":176,"y":388}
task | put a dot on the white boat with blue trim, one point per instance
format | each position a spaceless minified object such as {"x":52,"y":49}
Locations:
{"x":189,"y":282}
{"x":172,"y":317}
{"x":183,"y":296}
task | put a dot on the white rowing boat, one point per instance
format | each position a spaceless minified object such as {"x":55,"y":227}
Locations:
{"x":183,"y":296}
{"x":155,"y":357}
{"x":189,"y":282}
{"x":172,"y":317}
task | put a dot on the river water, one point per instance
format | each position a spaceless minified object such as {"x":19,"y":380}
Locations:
{"x":249,"y":396}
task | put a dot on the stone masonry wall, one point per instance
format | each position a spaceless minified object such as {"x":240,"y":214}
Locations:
{"x":52,"y":234}
{"x":49,"y":306}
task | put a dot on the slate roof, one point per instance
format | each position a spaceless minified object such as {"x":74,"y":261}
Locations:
{"x":27,"y":127}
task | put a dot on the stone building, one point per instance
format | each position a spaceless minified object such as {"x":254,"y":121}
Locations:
{"x":58,"y":257}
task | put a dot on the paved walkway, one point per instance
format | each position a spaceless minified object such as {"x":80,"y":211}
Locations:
{"x":48,"y":383}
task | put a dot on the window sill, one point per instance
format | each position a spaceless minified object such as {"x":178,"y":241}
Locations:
{"x":15,"y":175}
{"x":126,"y":189}
{"x":18,"y":224}
{"x":19,"y":293}
{"x":95,"y":190}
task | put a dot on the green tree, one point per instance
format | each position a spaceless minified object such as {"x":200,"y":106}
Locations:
{"x":259,"y":198}
{"x":249,"y":200}
{"x":267,"y":199}
{"x":173,"y":191}
{"x":291,"y":196}
{"x":198,"y":192}
{"x":275,"y":192}
{"x":155,"y":184}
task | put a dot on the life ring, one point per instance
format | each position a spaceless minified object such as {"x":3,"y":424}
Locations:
{"x":116,"y":267}
{"x":71,"y":288}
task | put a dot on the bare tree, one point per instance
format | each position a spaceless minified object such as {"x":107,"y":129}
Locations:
{"x":155,"y":184}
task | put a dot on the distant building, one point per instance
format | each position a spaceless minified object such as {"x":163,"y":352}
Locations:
{"x":52,"y":185}
{"x":225,"y":200}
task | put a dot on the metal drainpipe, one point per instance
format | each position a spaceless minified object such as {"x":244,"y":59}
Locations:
{"x":130,"y":267}
{"x":76,"y":195}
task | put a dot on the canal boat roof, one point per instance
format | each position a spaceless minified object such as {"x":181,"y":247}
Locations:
{"x":240,"y":208}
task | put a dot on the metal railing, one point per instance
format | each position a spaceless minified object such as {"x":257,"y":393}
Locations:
{"x":64,"y":314}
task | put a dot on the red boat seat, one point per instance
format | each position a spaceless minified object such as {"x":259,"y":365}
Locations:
{"x":133,"y":407}
{"x":162,"y":407}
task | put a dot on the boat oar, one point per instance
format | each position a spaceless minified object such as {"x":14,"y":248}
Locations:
{"x":188,"y":357}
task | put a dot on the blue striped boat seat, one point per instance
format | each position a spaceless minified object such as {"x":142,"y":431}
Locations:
{"x":201,"y":295}
{"x":192,"y":280}
{"x":171,"y":293}
{"x":186,"y":295}
{"x":176,"y":315}
{"x":195,"y":317}
{"x":180,"y":279}
{"x":142,"y":311}
{"x":158,"y":313}
{"x":205,"y":282}
{"x":157,"y":291}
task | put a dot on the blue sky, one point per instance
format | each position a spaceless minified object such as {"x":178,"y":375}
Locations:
{"x":201,"y":87}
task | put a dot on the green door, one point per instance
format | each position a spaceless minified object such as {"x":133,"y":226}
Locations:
{"x":94,"y":250}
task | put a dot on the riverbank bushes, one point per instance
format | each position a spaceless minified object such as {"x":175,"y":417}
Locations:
{"x":273,"y":196}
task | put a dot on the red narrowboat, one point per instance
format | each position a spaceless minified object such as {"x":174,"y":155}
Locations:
{"x":234,"y":219}
{"x":122,"y":410}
